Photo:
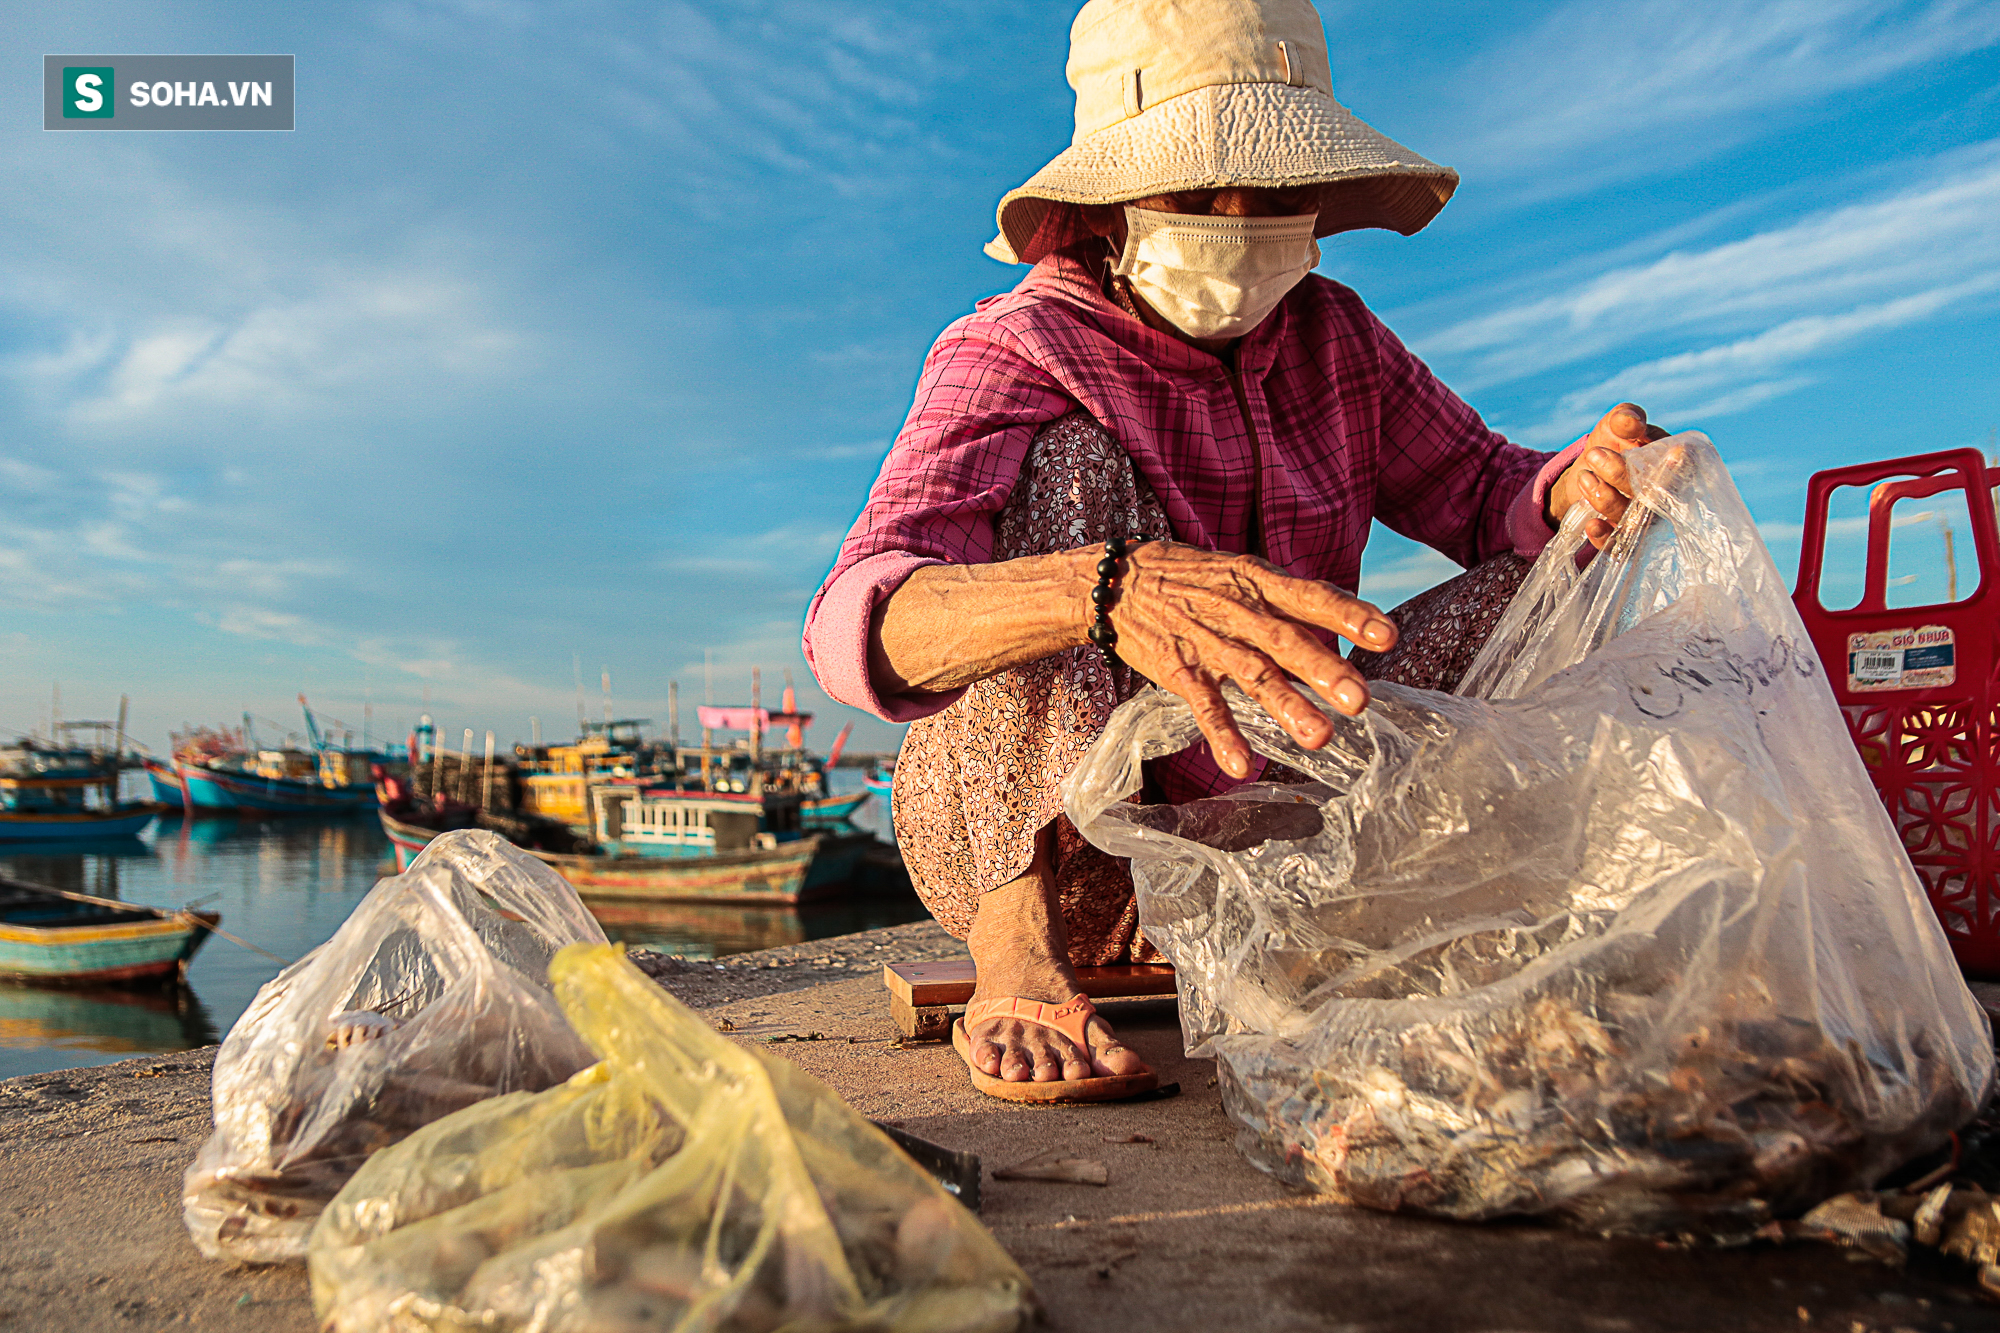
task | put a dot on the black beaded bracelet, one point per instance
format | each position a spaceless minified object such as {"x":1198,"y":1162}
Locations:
{"x":1101,"y":598}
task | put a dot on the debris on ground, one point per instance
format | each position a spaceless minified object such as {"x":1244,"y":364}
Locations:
{"x":1054,"y":1167}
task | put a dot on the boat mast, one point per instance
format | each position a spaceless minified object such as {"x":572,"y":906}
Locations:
{"x":707,"y":736}
{"x":312,"y":727}
{"x":118,"y":745}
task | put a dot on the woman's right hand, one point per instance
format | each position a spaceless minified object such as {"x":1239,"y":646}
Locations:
{"x":1189,"y":619}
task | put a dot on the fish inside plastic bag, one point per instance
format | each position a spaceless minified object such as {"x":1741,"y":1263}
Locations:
{"x":1619,"y":933}
{"x":683,"y":1183}
{"x":433,"y":995}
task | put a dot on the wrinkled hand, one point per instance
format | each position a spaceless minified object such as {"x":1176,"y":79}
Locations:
{"x":1188,"y":620}
{"x":1599,"y":477}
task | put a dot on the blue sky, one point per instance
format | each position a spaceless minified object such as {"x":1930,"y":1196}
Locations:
{"x":577,"y":331}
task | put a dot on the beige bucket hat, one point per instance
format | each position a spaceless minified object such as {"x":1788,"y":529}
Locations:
{"x":1201,"y":94}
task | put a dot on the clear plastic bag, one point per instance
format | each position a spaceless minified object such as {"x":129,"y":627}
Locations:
{"x":439,"y":983}
{"x":1619,"y":933}
{"x":683,"y":1183}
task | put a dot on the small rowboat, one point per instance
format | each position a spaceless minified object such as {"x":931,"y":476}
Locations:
{"x":879,"y":781}
{"x":49,"y":937}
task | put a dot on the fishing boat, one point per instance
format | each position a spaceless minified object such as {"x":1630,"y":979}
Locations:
{"x":165,"y":782}
{"x":271,"y":782}
{"x":226,"y":773}
{"x":825,"y":811}
{"x":879,"y":780}
{"x":624,"y":818}
{"x":50,"y":794}
{"x":776,"y":873}
{"x":680,"y":823}
{"x":51,"y":937}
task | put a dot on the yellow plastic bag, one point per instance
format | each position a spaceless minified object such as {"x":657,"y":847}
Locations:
{"x":683,"y":1183}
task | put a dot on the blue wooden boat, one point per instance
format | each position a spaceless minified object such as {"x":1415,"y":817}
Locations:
{"x":166,"y":784}
{"x":124,"y":821}
{"x":225,"y":772}
{"x":268,"y":786}
{"x":52,"y":938}
{"x":56,"y":795}
{"x":879,"y":781}
{"x":827,"y":811}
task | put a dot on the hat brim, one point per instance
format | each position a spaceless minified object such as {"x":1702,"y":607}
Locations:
{"x":1246,"y":135}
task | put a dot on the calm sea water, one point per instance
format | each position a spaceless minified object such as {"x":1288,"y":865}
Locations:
{"x":285,"y":885}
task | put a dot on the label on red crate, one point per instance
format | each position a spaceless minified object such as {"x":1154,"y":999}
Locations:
{"x":1902,"y":659}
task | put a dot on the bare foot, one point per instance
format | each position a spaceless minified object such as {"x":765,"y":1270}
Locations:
{"x":1019,"y":947}
{"x":356,"y":1026}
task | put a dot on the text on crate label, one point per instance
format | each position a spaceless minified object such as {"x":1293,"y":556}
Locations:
{"x":1902,"y":659}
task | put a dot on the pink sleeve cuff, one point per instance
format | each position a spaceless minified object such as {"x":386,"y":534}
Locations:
{"x":1525,"y":523}
{"x":836,"y":638}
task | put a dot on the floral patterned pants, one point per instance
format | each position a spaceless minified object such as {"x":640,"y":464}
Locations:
{"x":977,"y":783}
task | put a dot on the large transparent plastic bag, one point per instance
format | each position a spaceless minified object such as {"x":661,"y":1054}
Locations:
{"x":683,"y":1183}
{"x":1620,"y":933}
{"x":453,"y":956}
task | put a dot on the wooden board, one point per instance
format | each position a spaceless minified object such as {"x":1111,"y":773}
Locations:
{"x":929,"y":985}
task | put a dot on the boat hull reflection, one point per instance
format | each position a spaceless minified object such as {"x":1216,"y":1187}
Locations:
{"x":705,"y":930}
{"x":111,"y":1021}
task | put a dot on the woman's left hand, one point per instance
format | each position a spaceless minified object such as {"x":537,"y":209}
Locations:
{"x":1599,"y":477}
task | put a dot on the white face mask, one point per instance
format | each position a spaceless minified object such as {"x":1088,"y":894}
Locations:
{"x":1215,"y":277}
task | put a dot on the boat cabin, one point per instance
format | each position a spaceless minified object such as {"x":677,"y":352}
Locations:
{"x":299,"y":765}
{"x":664,"y":822}
{"x":558,"y":782}
{"x":42,"y":780}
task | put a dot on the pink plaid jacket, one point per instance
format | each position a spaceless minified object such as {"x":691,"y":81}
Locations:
{"x":1351,"y":425}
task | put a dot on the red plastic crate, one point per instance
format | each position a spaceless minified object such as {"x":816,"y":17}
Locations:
{"x":1931,"y":742}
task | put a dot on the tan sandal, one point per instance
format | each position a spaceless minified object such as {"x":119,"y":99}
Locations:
{"x":1071,"y":1019}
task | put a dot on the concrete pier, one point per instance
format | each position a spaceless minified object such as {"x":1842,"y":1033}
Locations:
{"x":1185,"y":1235}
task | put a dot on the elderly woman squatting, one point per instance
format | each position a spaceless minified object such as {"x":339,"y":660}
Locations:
{"x":1170,"y":373}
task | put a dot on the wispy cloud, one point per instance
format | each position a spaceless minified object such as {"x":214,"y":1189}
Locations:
{"x":1946,"y":227}
{"x":1670,"y":83}
{"x":589,"y":355}
{"x":285,"y":356}
{"x":1733,"y":377}
{"x":826,"y":93}
{"x":1778,"y":298}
